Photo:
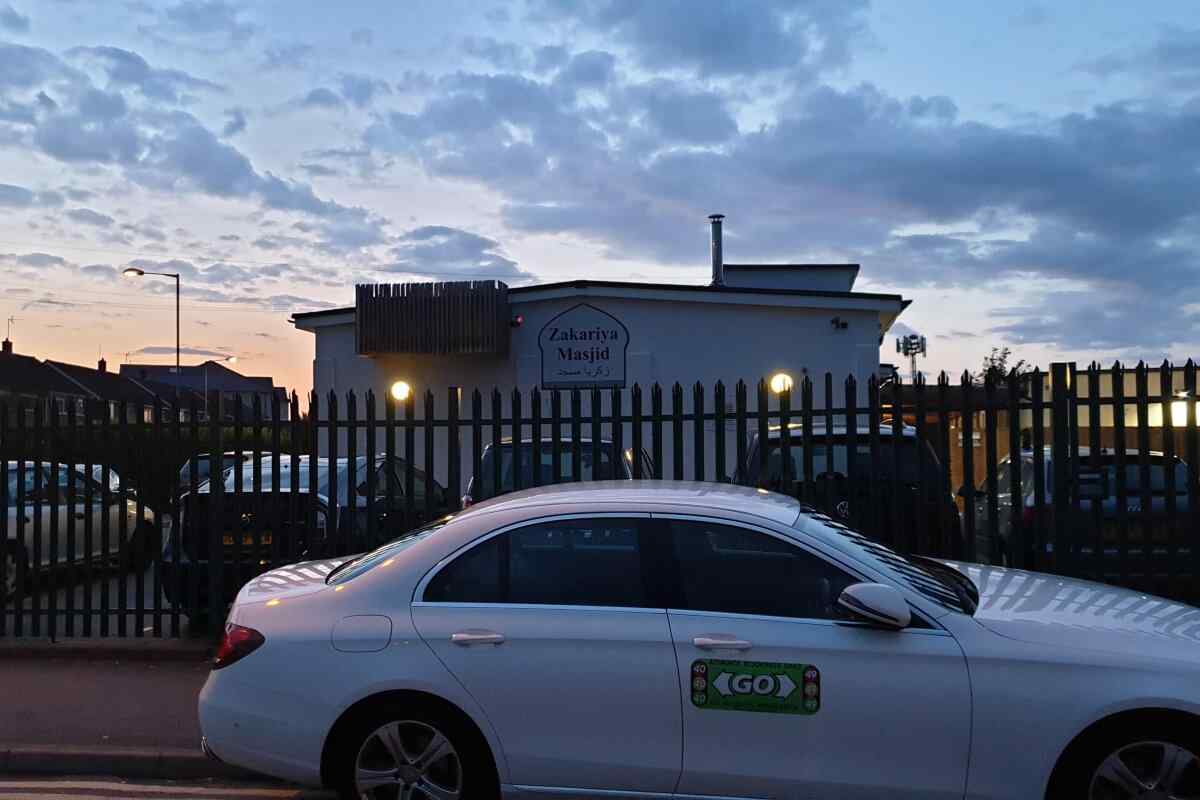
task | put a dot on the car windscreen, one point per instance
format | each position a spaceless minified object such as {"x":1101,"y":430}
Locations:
{"x":914,"y":467}
{"x":587,"y":467}
{"x":349,"y":570}
{"x":922,"y":578}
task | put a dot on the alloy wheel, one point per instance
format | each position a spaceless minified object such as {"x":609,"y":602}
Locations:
{"x":1148,"y":771}
{"x":408,"y":760}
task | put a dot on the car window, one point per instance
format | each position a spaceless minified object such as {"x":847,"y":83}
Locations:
{"x":739,"y":571}
{"x":27,"y":483}
{"x":913,"y":462}
{"x":566,"y":471}
{"x":569,"y":562}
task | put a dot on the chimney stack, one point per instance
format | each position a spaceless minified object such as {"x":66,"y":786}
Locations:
{"x":718,"y":256}
{"x":6,"y":347}
{"x":102,"y":365}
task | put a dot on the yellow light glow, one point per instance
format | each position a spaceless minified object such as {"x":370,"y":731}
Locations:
{"x":401,"y":390}
{"x":338,"y":588}
{"x":386,"y":563}
{"x":781,"y":382}
{"x":274,"y":602}
{"x":1179,"y":413}
{"x":763,"y":491}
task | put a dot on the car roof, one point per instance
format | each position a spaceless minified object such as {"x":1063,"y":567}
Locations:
{"x":647,"y":495}
{"x":547,"y":440}
{"x":1085,"y":452}
{"x":819,"y":429}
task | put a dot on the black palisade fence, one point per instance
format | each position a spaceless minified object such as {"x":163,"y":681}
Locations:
{"x":114,"y":525}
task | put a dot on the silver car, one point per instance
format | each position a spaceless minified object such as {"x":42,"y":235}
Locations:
{"x":62,"y":514}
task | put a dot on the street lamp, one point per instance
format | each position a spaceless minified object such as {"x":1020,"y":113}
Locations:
{"x":134,"y":272}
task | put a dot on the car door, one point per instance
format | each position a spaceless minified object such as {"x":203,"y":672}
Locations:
{"x":553,"y":628}
{"x":783,"y":698}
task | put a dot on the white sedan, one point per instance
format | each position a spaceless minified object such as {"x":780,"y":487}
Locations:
{"x":658,"y":639}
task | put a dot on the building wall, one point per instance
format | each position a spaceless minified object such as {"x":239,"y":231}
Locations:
{"x":668,"y":343}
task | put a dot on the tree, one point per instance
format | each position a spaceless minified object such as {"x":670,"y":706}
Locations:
{"x":997,"y":363}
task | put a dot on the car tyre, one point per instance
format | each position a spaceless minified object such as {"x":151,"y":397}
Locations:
{"x":16,"y":569}
{"x":412,"y":750}
{"x":1151,"y":759}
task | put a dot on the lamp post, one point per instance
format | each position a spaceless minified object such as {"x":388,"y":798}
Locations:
{"x":134,"y":272}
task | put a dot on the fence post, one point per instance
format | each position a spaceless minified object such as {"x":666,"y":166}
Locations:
{"x":1016,"y":496}
{"x":1059,"y":447}
{"x":721,"y":474}
{"x":6,"y":502}
{"x":1038,"y":536}
{"x":739,"y":394}
{"x":535,"y":440}
{"x":1166,"y":386}
{"x":476,"y":482}
{"x":1121,"y":488}
{"x":635,"y":402}
{"x":430,"y":413}
{"x":992,"y":455}
{"x":698,"y":431}
{"x":372,"y":489}
{"x":556,"y":434}
{"x":852,"y":512}
{"x":453,"y":448}
{"x":1192,"y":447}
{"x":216,"y":525}
{"x":967,"y":431}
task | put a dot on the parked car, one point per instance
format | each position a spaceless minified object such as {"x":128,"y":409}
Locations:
{"x":664,"y":639}
{"x":259,"y":528}
{"x":203,"y":462}
{"x":612,"y":466}
{"x":66,"y":495}
{"x":1091,"y":484}
{"x":914,"y":504}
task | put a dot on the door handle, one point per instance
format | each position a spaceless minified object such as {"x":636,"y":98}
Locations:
{"x":476,"y":636}
{"x":720,"y":641}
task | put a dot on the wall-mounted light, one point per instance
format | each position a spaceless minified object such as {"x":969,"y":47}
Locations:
{"x":401,"y":390}
{"x":781,"y":382}
{"x":517,"y":321}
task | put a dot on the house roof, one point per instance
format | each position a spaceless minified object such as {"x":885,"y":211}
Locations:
{"x":105,"y":385}
{"x":220,"y":378}
{"x":26,"y":375}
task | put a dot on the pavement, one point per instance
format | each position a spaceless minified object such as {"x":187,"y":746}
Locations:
{"x":50,"y":787}
{"x":118,"y":708}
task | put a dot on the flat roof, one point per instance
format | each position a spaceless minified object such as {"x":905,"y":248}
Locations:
{"x":520,"y":291}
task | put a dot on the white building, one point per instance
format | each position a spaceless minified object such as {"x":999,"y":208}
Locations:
{"x":751,"y":322}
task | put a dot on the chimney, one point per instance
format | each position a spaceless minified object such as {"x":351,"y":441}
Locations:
{"x":102,"y":365}
{"x":718,"y":256}
{"x":6,"y":347}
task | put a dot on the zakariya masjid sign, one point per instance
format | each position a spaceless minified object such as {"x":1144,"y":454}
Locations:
{"x":583,"y":347}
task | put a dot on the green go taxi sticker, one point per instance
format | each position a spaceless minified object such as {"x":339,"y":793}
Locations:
{"x":756,"y":686}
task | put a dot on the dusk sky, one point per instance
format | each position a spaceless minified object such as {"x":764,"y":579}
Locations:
{"x":1026,"y":173}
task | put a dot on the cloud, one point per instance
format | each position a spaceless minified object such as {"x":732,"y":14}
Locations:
{"x":442,"y":252}
{"x":289,"y":56}
{"x":169,"y":350}
{"x":49,"y":304}
{"x":590,"y":69}
{"x":502,"y":55}
{"x":1031,"y":16}
{"x":235,"y":122}
{"x":15,"y":196}
{"x":320,"y":98}
{"x":363,"y":37}
{"x":1174,"y":61}
{"x":360,"y":90}
{"x":41,"y":260}
{"x":319,"y":170}
{"x":678,"y":114}
{"x":86,"y":216}
{"x":212,"y":22}
{"x":101,"y":271}
{"x":720,"y":39}
{"x":125,"y":68}
{"x":12,"y":21}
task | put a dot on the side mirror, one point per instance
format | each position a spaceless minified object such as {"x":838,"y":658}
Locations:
{"x":877,"y":604}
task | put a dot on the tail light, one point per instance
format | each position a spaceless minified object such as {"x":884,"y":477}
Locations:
{"x":236,"y":643}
